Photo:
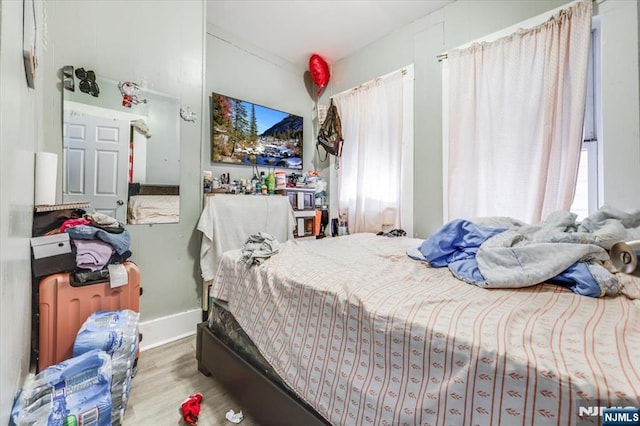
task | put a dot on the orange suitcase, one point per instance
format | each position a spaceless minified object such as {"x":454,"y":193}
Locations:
{"x":64,"y":308}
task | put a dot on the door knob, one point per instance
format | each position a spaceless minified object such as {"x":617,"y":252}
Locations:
{"x":120,"y":202}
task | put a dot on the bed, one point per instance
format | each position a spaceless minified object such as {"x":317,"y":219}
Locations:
{"x":153,"y":204}
{"x":354,"y":331}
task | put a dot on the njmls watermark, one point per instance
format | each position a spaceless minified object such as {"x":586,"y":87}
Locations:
{"x":612,"y":416}
{"x":599,"y":411}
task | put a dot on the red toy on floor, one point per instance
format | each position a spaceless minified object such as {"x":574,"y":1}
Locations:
{"x":190,"y":408}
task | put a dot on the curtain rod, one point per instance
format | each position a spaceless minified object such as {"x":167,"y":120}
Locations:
{"x":370,"y":83}
{"x":441,"y":57}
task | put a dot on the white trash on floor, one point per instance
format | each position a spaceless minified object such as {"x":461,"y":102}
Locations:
{"x":234,"y":417}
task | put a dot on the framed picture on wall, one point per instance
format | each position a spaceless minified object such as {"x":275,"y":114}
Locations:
{"x":250,"y":134}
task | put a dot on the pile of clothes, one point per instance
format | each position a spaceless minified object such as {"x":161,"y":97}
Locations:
{"x":98,"y":240}
{"x":502,"y":252}
{"x":259,"y":247}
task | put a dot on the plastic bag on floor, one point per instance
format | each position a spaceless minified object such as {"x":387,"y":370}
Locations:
{"x":75,"y":392}
{"x":115,"y":332}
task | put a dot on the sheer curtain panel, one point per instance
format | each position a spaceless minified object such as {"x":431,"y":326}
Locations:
{"x":516,"y":112}
{"x":371,"y":168}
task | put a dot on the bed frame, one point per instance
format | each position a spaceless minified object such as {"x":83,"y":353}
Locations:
{"x":148,"y":189}
{"x":266,"y":401}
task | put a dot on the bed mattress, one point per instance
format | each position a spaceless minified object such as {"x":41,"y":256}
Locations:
{"x":367,"y":335}
{"x":144,"y":209}
{"x":222,"y":323}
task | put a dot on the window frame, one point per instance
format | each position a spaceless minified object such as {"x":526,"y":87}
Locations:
{"x":592,"y":136}
{"x":593,"y":120}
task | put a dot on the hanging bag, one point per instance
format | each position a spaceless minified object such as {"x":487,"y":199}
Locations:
{"x":330,"y":134}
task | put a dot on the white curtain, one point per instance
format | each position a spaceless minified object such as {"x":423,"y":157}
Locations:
{"x":516,"y":111}
{"x":370,"y":170}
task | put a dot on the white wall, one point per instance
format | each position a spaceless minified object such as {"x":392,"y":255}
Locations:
{"x":158,"y":44}
{"x":163,"y":147}
{"x":620,"y":103}
{"x":20,"y":137}
{"x":465,"y":20}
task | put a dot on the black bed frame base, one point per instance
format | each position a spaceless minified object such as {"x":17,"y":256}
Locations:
{"x":258,"y":395}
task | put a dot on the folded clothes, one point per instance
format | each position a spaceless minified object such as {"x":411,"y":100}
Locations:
{"x":120,"y":242}
{"x":92,"y":254}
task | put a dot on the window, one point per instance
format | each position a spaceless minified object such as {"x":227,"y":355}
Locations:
{"x":477,"y":176}
{"x":585,"y":200}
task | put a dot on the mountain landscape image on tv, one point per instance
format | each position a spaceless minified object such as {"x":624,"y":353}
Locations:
{"x":246,"y":133}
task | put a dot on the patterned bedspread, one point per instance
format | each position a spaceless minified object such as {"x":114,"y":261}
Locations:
{"x":367,"y":335}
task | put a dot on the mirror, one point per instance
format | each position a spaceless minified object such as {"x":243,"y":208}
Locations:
{"x":121,"y":149}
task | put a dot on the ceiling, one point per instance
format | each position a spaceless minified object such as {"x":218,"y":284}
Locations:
{"x":296,"y":29}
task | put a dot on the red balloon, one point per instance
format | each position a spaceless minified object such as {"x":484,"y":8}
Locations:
{"x":319,"y":71}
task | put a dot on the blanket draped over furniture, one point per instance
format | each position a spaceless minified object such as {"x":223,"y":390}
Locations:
{"x":366,"y":335}
{"x":227,"y":221}
{"x":504,"y":253}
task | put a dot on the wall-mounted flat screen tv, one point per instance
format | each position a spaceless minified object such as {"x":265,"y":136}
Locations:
{"x":246,"y":133}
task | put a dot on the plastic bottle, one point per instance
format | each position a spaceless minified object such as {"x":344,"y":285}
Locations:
{"x":271,"y":183}
{"x":255,"y":183}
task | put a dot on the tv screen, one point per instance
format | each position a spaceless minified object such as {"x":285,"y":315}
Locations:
{"x":246,"y":133}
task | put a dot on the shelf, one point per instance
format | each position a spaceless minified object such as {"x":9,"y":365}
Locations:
{"x":64,"y":206}
{"x":304,"y":213}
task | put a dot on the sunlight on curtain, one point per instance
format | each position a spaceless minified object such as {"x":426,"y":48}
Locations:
{"x":516,"y":111}
{"x":371,"y":172}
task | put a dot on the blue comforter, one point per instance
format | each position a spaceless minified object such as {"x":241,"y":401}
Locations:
{"x":505,"y":253}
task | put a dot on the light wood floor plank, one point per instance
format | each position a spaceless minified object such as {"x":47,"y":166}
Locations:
{"x":166,"y":376}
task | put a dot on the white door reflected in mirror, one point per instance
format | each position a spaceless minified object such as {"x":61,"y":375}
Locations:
{"x":95,"y":152}
{"x":123,"y":159}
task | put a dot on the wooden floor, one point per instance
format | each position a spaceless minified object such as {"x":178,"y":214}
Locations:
{"x":166,"y":376}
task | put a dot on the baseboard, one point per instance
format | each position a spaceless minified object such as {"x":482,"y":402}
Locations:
{"x":167,"y":329}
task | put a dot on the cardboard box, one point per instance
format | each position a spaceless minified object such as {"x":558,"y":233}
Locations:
{"x":52,"y":254}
